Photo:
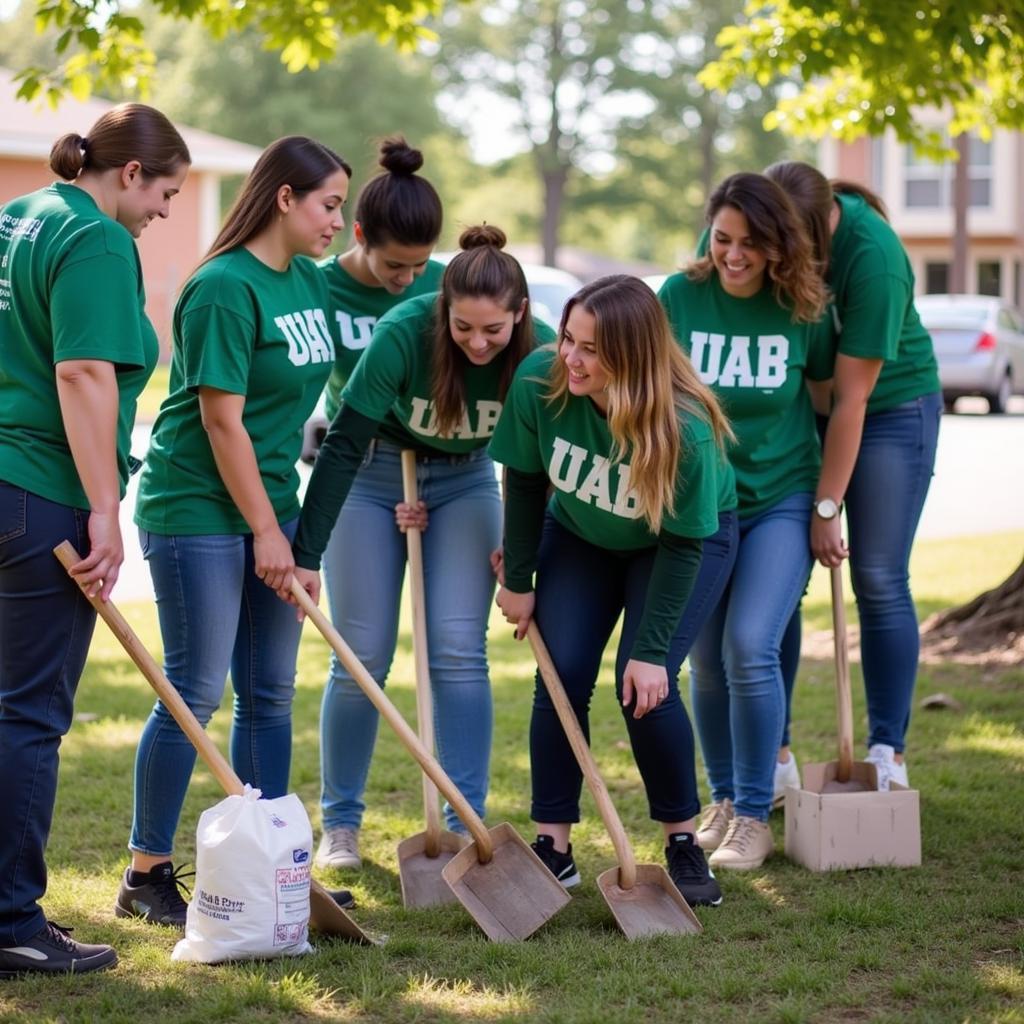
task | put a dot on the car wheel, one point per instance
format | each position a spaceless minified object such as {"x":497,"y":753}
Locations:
{"x":1000,"y":399}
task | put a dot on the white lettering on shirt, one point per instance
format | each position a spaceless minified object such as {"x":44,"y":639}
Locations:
{"x":423,"y":419}
{"x":736,"y":370}
{"x":309,"y":339}
{"x":355,"y":332}
{"x":597,"y":485}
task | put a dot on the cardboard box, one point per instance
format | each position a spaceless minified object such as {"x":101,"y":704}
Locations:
{"x":829,"y":831}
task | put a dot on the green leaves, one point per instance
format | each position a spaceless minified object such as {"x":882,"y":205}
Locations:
{"x":107,"y":50}
{"x":864,"y":65}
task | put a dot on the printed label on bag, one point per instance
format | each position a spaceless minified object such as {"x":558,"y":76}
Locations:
{"x":220,"y":907}
{"x":292,"y":886}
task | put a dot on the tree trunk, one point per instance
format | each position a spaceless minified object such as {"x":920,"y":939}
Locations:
{"x":961,"y":201}
{"x":554,"y":194}
{"x":991,"y":623}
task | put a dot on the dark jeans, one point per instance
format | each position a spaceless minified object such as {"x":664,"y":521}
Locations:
{"x":883,"y":507}
{"x":45,"y":629}
{"x":581,"y":590}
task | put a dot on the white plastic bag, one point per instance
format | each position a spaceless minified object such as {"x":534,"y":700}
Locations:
{"x":251,"y":896}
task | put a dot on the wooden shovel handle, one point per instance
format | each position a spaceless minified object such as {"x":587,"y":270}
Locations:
{"x":585,"y":758}
{"x":844,"y":704}
{"x":165,"y":690}
{"x":409,"y":739}
{"x":424,"y":703}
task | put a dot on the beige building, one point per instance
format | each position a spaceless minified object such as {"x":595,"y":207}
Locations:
{"x":918,"y":194}
{"x":169,"y":248}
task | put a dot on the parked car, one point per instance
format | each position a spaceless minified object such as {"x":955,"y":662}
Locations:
{"x":979,"y":343}
{"x":550,"y":289}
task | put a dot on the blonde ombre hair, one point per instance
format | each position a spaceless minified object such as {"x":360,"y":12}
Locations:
{"x":651,"y":382}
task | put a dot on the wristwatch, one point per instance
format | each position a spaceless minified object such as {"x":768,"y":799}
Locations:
{"x":826,"y":508}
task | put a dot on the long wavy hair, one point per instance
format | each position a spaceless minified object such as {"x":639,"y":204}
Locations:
{"x":813,"y":195}
{"x":650,"y":384}
{"x":481,"y":270}
{"x":777,"y":230}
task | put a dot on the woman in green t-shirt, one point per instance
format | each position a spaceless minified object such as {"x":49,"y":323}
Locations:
{"x":76,"y":349}
{"x":396,"y":223}
{"x":432,"y":380}
{"x":750,"y":313}
{"x":218,"y":503}
{"x":618,"y":424}
{"x":881,"y":439}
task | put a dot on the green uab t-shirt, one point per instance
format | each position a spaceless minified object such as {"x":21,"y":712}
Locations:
{"x":242,"y":327}
{"x":592,"y":496}
{"x":391,"y":383}
{"x":354,"y":310}
{"x":755,"y":359}
{"x":873,"y":289}
{"x":70,"y":288}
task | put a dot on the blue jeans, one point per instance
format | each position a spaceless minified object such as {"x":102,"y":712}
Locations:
{"x":883,"y":507}
{"x":581,"y":591}
{"x":45,"y":629}
{"x":735,"y":674}
{"x":215,"y":615}
{"x":364,"y":565}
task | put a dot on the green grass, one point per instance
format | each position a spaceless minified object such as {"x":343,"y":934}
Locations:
{"x":943,"y":942}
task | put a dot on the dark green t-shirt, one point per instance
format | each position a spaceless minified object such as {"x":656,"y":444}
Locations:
{"x":70,"y":288}
{"x":749,"y":351}
{"x":354,"y":311}
{"x":391,"y":383}
{"x":873,"y":288}
{"x":592,"y":496}
{"x":242,"y":327}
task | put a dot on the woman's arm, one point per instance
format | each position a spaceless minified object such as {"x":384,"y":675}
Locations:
{"x":88,"y":395}
{"x":525,"y":499}
{"x":235,"y":457}
{"x":852,"y":384}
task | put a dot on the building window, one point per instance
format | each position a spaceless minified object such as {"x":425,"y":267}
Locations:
{"x":936,"y":278}
{"x":990,"y":277}
{"x":929,"y":185}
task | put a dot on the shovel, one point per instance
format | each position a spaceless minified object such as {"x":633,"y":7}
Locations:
{"x":325,"y":915}
{"x":844,"y":775}
{"x":642,"y":897}
{"x":497,"y":877}
{"x":422,"y":857}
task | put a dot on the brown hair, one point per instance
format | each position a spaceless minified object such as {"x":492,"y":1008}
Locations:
{"x":397,"y":205}
{"x":481,"y":270}
{"x":129,"y":131}
{"x":295,"y":160}
{"x":777,"y":230}
{"x":651,"y":383}
{"x":813,"y":194}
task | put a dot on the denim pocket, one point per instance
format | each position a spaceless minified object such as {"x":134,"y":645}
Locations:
{"x":13,"y":514}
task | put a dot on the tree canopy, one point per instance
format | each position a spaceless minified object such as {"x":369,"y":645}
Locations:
{"x":102,"y":44}
{"x":865,"y":65}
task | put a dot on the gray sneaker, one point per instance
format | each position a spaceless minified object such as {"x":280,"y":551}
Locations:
{"x":339,"y":848}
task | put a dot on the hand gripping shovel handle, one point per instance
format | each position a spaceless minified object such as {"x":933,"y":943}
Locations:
{"x":573,"y":732}
{"x":339,"y":921}
{"x":844,"y":705}
{"x":424,"y":704}
{"x":377,"y":697}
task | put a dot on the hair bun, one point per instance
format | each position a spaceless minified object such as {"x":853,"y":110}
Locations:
{"x":67,"y":156}
{"x":398,"y":157}
{"x":482,"y":234}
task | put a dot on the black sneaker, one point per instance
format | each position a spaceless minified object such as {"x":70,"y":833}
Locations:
{"x":157,"y":896}
{"x":561,"y":865}
{"x":343,"y":897}
{"x":52,"y":951}
{"x":689,"y":869}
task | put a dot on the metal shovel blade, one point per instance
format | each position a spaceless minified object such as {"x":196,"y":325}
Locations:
{"x":511,"y":895}
{"x":653,"y":906}
{"x":420,"y":873}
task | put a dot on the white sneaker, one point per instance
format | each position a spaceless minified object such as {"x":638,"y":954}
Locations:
{"x":339,"y":848}
{"x":786,"y":774}
{"x":714,"y":823}
{"x":747,"y":844}
{"x":881,"y":755}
